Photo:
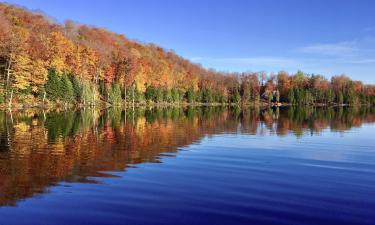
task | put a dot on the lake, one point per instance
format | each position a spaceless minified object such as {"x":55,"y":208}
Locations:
{"x":206,"y":165}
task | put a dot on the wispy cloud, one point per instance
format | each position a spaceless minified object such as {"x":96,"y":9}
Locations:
{"x":249,"y":61}
{"x":333,"y":49}
{"x":360,"y":61}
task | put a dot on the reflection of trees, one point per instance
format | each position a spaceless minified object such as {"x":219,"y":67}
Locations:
{"x":305,"y":120}
{"x":40,"y":149}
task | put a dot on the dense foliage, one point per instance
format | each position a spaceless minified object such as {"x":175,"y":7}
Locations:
{"x":41,"y":60}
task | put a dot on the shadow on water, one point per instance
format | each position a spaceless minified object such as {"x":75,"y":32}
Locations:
{"x":40,"y":149}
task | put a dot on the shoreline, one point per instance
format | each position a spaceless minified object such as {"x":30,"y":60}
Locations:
{"x":104,"y":105}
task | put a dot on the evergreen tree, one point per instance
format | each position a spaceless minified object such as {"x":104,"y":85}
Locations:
{"x":150,"y":93}
{"x":330,"y":97}
{"x":167,"y":95}
{"x":291,"y":97}
{"x":190,"y":95}
{"x":236,"y":97}
{"x":87,"y":93}
{"x":207,"y":96}
{"x":77,"y":89}
{"x":53,"y":85}
{"x":159,"y":95}
{"x":340,"y":98}
{"x":66,"y":89}
{"x":175,"y":95}
{"x":114,"y":95}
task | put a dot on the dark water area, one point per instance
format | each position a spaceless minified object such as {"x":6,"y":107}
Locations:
{"x":207,"y":165}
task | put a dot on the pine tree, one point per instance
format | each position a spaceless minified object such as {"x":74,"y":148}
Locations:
{"x":114,"y":96}
{"x":77,"y":89}
{"x":175,"y":95}
{"x":291,"y":97}
{"x":52,"y":86}
{"x":167,"y":94}
{"x":340,"y":98}
{"x":236,"y":97}
{"x":190,"y":95}
{"x":66,"y":89}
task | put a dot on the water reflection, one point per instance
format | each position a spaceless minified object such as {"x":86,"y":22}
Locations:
{"x":39,"y":149}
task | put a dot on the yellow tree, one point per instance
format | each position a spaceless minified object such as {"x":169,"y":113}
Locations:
{"x":59,"y":49}
{"x":17,"y":61}
{"x":22,"y":70}
{"x":39,"y":75}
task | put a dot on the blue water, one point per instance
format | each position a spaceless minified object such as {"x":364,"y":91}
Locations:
{"x":228,"y":177}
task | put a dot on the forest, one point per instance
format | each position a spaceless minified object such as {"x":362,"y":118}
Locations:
{"x":43,"y":62}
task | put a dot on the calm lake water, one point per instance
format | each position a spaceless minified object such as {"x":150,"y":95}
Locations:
{"x":188,"y":166}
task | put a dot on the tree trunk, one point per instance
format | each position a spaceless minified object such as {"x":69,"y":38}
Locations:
{"x":83,"y":100}
{"x":8,"y":77}
{"x":44,"y":116}
{"x":10,"y":100}
{"x":125,"y":93}
{"x":44,"y":97}
{"x":133,"y":95}
{"x":8,"y":71}
{"x":93,"y":93}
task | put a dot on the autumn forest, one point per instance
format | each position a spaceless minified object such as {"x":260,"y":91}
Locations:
{"x":43,"y":62}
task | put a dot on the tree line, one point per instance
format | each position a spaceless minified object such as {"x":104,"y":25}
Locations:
{"x":42,"y":61}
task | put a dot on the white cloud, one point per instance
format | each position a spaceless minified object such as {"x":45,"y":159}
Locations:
{"x":249,"y":61}
{"x":334,"y":49}
{"x":361,"y":61}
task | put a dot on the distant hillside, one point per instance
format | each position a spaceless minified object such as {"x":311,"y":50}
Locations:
{"x":45,"y":62}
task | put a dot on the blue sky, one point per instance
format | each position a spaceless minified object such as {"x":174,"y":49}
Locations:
{"x":327,"y":37}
